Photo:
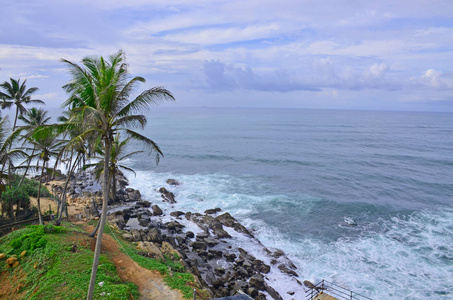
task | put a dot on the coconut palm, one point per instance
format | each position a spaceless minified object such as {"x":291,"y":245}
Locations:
{"x":100,"y":90}
{"x":46,"y":141}
{"x":32,"y":119}
{"x":79,"y":148}
{"x":17,"y":94}
{"x":7,"y":156}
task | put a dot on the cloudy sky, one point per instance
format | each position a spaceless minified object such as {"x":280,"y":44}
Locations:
{"x":391,"y":55}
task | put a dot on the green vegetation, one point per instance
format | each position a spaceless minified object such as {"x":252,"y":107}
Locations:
{"x":53,"y":268}
{"x":29,"y":186}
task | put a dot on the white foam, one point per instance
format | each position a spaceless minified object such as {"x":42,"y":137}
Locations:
{"x":407,"y":258}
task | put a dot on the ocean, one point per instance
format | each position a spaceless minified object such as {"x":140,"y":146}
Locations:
{"x":293,"y":176}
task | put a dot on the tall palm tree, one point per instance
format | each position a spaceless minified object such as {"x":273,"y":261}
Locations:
{"x":32,"y":119}
{"x":80,"y":147}
{"x":47,"y":144}
{"x":100,"y":90}
{"x":17,"y":94}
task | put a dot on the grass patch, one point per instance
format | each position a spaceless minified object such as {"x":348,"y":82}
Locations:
{"x":52,"y":270}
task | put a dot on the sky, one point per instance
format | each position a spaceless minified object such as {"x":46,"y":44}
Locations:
{"x":376,"y":55}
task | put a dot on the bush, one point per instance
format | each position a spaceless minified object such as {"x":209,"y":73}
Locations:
{"x":30,"y":186}
{"x":14,"y":196}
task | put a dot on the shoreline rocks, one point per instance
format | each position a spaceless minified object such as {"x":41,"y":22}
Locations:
{"x":212,"y":255}
{"x":207,"y":243}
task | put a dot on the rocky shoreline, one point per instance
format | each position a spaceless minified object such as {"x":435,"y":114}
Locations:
{"x":212,"y":245}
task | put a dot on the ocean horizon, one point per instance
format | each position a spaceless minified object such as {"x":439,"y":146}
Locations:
{"x":294,"y":176}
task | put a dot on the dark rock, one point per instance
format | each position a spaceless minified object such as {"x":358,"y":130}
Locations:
{"x":155,"y":235}
{"x":253,"y":292}
{"x":273,"y":293}
{"x":230,"y":257}
{"x":215,"y":253}
{"x":278,"y":253}
{"x":219,"y":270}
{"x":226,"y":219}
{"x":212,"y":211}
{"x":172,"y":181}
{"x":190,"y":234}
{"x":199,"y":245}
{"x":143,"y":203}
{"x":217,"y":283}
{"x":261,"y":266}
{"x":156,"y":210}
{"x":173,"y":225}
{"x":238,"y":285}
{"x":167,"y":196}
{"x":136,"y":235}
{"x":287,"y":270}
{"x":211,"y":242}
{"x":176,"y":213}
{"x":257,"y":281}
{"x":201,"y":236}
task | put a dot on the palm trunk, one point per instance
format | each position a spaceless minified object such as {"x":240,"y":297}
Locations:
{"x":63,"y":196}
{"x":105,"y":196}
{"x":39,"y":195}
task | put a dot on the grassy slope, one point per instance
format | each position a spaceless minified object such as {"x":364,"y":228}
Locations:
{"x":52,"y":270}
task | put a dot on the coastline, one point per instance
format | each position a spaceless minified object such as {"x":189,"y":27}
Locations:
{"x":218,"y":250}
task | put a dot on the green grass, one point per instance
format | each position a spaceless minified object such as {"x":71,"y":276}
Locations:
{"x":50,"y":270}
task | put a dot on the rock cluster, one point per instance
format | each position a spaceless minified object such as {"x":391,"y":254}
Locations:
{"x":210,"y":254}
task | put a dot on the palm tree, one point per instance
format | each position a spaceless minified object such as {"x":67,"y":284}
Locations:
{"x":7,"y":156}
{"x":80,"y":148}
{"x":17,"y":94}
{"x":33,"y":118}
{"x":100,"y":90}
{"x":45,"y":141}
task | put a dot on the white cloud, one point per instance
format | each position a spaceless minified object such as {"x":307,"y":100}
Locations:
{"x":436,"y":79}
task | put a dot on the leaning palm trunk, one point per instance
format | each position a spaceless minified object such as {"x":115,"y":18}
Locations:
{"x":105,"y":196}
{"x":63,"y":196}
{"x":93,"y":233}
{"x":39,"y":195}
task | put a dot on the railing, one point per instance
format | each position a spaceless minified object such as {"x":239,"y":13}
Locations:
{"x":334,"y":290}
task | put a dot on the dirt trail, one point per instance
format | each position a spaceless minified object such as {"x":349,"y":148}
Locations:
{"x":150,"y":283}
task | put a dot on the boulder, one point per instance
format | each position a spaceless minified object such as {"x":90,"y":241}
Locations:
{"x":167,"y":196}
{"x":172,"y":181}
{"x":212,"y":211}
{"x":150,"y":249}
{"x":257,"y":281}
{"x":155,"y":235}
{"x":287,"y":270}
{"x":230,"y":257}
{"x":136,"y":235}
{"x":10,"y":261}
{"x":199,"y":245}
{"x":156,"y":210}
{"x":273,"y":293}
{"x":176,"y":214}
{"x":190,"y":234}
{"x":143,"y":203}
{"x":128,"y":237}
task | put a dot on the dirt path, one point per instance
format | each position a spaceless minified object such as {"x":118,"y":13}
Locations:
{"x":150,"y":283}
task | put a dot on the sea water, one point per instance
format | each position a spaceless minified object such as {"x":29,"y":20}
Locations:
{"x":293,"y":176}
